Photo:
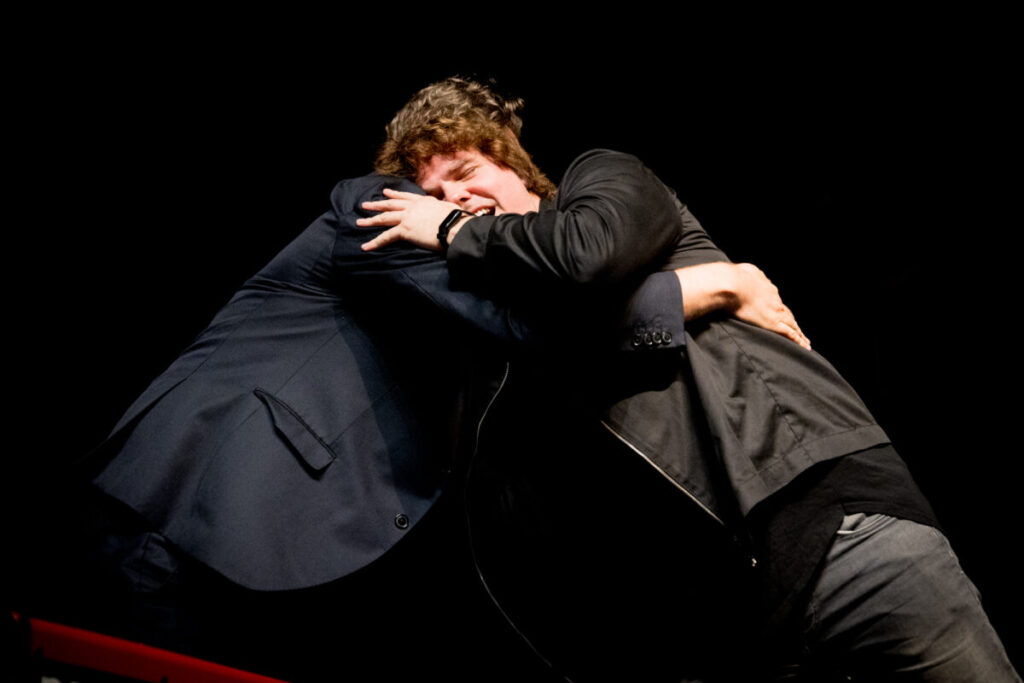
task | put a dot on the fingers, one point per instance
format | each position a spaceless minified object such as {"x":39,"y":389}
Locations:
{"x":751,"y":268}
{"x":784,"y":320}
{"x":385,"y":238}
{"x":789,"y":328}
{"x":406,"y":216}
{"x":799,"y":336}
{"x":397,"y":201}
{"x":387,"y":218}
{"x":383,"y":205}
{"x":387,"y":205}
{"x":793,"y":335}
{"x":398,"y":194}
{"x":392,"y":209}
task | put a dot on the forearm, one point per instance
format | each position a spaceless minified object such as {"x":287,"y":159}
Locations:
{"x":708,"y":288}
{"x":740,"y":290}
{"x":613,"y":222}
{"x":402,"y":277}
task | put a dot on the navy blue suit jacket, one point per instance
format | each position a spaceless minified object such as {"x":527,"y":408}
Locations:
{"x":300,"y":436}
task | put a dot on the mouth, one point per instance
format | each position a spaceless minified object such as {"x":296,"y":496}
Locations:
{"x":486,"y":211}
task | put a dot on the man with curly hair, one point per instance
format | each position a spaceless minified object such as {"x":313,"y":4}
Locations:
{"x":762,"y":435}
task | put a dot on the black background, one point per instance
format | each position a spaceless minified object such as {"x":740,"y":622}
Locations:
{"x":867,"y":165}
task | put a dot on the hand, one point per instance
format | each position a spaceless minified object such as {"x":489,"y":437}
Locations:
{"x":743,"y":290}
{"x":759,"y":303}
{"x":414,"y":217}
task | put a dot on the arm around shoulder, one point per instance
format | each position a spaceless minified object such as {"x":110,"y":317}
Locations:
{"x":612,"y":221}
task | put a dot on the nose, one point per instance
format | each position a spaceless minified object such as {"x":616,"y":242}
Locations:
{"x":455,"y":193}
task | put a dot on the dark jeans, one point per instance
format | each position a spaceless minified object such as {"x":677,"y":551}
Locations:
{"x":893,"y":604}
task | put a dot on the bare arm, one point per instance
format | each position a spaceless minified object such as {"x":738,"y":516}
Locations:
{"x":742,"y":290}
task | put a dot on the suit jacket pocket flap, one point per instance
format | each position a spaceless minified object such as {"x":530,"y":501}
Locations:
{"x":307,"y":444}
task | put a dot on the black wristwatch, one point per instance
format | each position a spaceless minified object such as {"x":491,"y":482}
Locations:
{"x":446,"y":225}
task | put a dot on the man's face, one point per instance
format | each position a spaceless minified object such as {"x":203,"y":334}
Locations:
{"x":476,"y":184}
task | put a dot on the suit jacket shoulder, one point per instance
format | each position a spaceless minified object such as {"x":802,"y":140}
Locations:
{"x":289,"y":444}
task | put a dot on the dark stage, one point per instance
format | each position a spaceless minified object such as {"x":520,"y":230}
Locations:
{"x":861,"y":175}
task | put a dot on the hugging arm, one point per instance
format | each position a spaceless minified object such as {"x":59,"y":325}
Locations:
{"x":614,"y":221}
{"x":400,"y":275}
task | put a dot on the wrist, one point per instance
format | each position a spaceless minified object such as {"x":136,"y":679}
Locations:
{"x":458,"y":226}
{"x":709,"y":287}
{"x":452,"y":222}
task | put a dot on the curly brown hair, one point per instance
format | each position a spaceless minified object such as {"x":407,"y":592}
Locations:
{"x":459,"y":114}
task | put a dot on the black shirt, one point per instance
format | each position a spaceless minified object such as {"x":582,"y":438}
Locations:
{"x":792,"y":531}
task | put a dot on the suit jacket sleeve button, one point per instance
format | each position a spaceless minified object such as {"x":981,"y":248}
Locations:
{"x":637,"y":340}
{"x":666,"y":337}
{"x":656,"y":336}
{"x":401,"y":521}
{"x":648,"y":339}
